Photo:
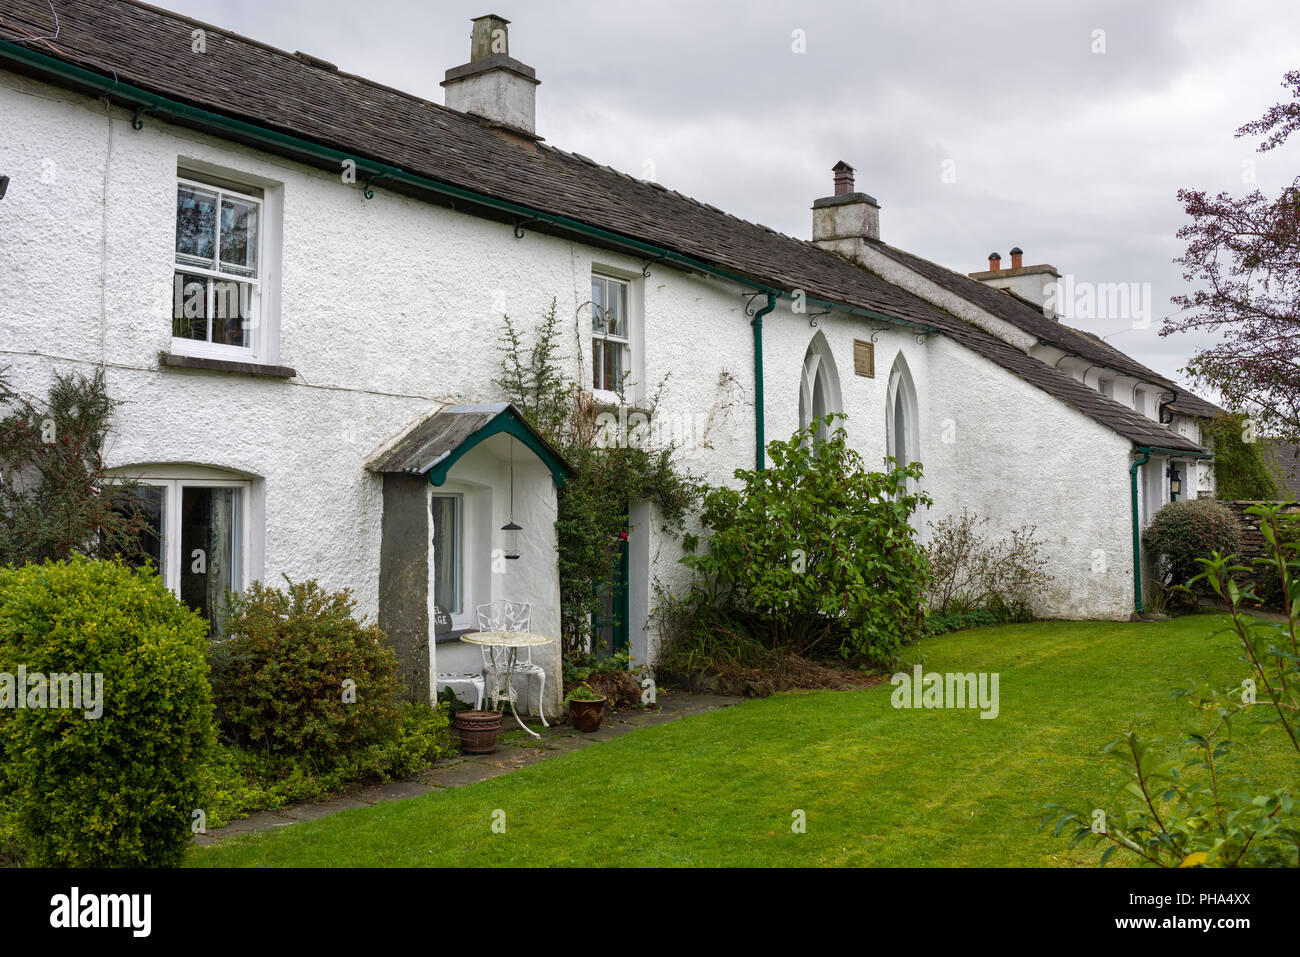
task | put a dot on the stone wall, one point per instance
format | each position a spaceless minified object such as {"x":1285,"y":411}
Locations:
{"x":1252,"y":539}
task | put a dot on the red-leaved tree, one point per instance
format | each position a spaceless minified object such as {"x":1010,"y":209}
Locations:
{"x":1243,"y":260}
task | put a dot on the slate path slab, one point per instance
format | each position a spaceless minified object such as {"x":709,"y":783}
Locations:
{"x":513,"y":751}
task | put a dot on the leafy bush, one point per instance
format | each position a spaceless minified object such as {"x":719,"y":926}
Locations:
{"x":819,"y":548}
{"x":970,"y":572}
{"x":1183,"y":532}
{"x":239,"y":782}
{"x":1189,"y":810}
{"x":118,"y":789}
{"x":297,"y":674}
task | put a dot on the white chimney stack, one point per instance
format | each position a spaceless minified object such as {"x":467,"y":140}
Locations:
{"x":493,"y":84}
{"x":846,"y":214}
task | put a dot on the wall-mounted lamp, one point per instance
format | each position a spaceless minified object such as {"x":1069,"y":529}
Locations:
{"x":1175,"y":482}
{"x":4,"y":186}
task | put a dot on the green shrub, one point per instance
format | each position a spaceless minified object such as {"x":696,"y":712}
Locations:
{"x":239,"y":782}
{"x":297,"y":674}
{"x":1182,"y":532}
{"x":969,"y":571}
{"x":116,"y":790}
{"x":820,"y":548}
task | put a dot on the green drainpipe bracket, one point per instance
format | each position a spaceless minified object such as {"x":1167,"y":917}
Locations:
{"x":757,"y":324}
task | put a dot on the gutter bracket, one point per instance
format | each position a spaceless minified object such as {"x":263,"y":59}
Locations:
{"x":137,"y":119}
{"x":521,"y":225}
{"x":645,"y":270}
{"x":813,"y":317}
{"x":876,"y":331}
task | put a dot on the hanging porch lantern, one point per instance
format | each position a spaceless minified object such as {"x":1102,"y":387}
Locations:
{"x":1175,"y":482}
{"x":510,"y":531}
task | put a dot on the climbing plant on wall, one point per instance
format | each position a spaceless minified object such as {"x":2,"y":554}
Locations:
{"x":612,"y":468}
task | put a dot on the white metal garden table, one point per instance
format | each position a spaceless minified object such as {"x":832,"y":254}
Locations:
{"x":503,"y":652}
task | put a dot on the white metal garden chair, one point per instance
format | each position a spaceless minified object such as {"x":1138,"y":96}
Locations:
{"x":514,"y":616}
{"x":464,"y":678}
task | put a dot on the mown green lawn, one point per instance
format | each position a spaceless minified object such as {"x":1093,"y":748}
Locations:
{"x":879,"y":786}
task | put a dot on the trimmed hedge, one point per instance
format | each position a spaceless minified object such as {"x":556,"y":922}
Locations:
{"x":118,"y":789}
{"x":1182,"y":532}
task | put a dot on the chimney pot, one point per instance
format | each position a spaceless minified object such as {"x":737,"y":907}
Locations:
{"x":995,"y":262}
{"x":1017,"y":257}
{"x":843,"y":178}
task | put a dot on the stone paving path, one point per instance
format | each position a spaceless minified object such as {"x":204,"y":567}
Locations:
{"x":514,"y":750}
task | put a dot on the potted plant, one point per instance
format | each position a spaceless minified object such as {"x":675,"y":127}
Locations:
{"x":586,"y":708}
{"x":478,"y":730}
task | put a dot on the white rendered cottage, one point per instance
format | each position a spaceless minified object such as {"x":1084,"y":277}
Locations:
{"x":295,"y":281}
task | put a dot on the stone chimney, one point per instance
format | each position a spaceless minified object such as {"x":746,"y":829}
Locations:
{"x":846,"y":214}
{"x":1035,"y":283}
{"x":493,"y":84}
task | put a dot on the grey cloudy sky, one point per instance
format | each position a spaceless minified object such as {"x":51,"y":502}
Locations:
{"x":1073,"y":155}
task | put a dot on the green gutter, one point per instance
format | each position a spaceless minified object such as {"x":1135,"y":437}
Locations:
{"x":757,"y":323}
{"x":1146,"y":451}
{"x":317,"y":154}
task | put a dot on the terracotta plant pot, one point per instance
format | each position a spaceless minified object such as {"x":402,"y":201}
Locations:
{"x":587,"y":715}
{"x":478,"y":731}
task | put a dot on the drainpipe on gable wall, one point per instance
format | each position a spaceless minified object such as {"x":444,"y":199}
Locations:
{"x":1137,"y":530}
{"x":757,"y":323}
{"x":1146,"y":451}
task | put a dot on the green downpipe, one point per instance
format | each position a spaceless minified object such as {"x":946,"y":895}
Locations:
{"x":757,"y":324}
{"x":1137,"y":552}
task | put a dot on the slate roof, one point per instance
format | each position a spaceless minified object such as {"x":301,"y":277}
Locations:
{"x":1028,"y":316}
{"x":1283,"y":461}
{"x":434,"y":438}
{"x":149,"y":48}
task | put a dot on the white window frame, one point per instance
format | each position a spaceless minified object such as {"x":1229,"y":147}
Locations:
{"x":171,"y":521}
{"x":630,"y":315}
{"x":466,"y":604}
{"x":257,"y":345}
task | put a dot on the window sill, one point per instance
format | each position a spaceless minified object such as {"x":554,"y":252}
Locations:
{"x":453,"y":635}
{"x":173,"y":361}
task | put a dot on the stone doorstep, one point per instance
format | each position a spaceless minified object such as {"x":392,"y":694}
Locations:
{"x":466,"y":769}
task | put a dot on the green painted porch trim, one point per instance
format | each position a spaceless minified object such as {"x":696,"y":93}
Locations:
{"x":510,"y":423}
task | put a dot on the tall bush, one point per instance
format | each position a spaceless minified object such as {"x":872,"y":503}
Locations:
{"x":56,"y":499}
{"x":117,"y":789}
{"x":1182,"y":533}
{"x":820,"y":547}
{"x":297,"y":674}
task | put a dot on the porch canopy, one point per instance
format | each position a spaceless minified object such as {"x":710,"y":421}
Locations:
{"x":433,"y":445}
